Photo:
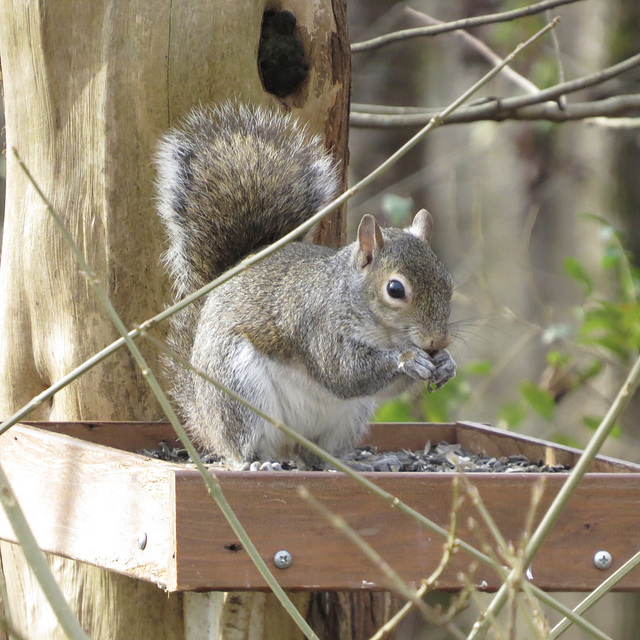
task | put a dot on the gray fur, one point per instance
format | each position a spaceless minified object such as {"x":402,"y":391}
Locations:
{"x":307,"y":335}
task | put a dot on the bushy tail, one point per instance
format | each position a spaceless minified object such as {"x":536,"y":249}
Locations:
{"x":231,"y":180}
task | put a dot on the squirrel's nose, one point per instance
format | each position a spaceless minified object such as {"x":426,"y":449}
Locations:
{"x":440,"y":341}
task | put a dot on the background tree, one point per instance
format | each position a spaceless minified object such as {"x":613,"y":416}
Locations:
{"x":509,"y":201}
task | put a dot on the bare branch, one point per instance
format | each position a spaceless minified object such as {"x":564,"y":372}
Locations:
{"x":467,"y":23}
{"x":484,"y":50}
{"x":562,"y":100}
{"x":595,"y":595}
{"x":514,"y":108}
{"x":626,"y":393}
{"x":498,"y":110}
{"x":502,"y":108}
{"x":615,"y":123}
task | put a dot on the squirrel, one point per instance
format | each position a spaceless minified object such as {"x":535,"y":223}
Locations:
{"x":312,"y":336}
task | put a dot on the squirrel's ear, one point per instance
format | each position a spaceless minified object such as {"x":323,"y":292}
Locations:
{"x":422,"y":226}
{"x":370,"y":241}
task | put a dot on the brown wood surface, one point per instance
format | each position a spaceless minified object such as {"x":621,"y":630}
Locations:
{"x":497,"y":443}
{"x":603,"y":514}
{"x":478,"y":438}
{"x":127,"y":436}
{"x":91,"y":502}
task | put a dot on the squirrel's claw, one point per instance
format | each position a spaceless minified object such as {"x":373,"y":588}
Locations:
{"x":445,"y":369}
{"x":435,"y":368}
{"x":417,"y":364}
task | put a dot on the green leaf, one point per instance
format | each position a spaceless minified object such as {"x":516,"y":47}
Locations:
{"x":540,"y":400}
{"x":575,"y":270}
{"x":479,"y":368}
{"x":397,"y":410}
{"x":512,"y":414}
{"x":615,"y":327}
{"x":567,"y":441}
{"x":397,"y":208}
{"x":592,"y":370}
{"x":558,"y":359}
{"x":598,"y":219}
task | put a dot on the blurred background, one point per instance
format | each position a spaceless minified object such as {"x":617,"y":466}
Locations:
{"x":538,"y":222}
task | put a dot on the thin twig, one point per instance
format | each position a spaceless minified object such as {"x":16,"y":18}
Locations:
{"x":210,"y":479}
{"x":536,"y":620}
{"x":395,"y":581}
{"x":466,"y":23}
{"x":597,"y":593}
{"x":514,"y":560}
{"x":562,"y":100}
{"x":451,"y":544}
{"x":393,"y":622}
{"x":605,"y":112}
{"x":585,"y":625}
{"x":490,"y":523}
{"x":484,"y":50}
{"x":568,"y":488}
{"x":37,"y":562}
{"x":450,"y":547}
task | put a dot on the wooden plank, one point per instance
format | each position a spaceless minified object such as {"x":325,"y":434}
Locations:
{"x":479,"y":438}
{"x":604,"y":514}
{"x":389,"y":436}
{"x":497,"y":442}
{"x":128,"y":436}
{"x":89,"y":502}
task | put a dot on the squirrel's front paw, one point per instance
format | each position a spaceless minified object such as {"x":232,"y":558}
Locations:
{"x":445,"y":368}
{"x":418,"y":365}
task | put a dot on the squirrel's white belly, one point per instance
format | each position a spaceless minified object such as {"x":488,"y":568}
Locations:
{"x":288,"y":394}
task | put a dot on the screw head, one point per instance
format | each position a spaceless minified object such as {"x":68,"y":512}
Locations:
{"x":141,"y":541}
{"x":282,"y":559}
{"x":602,"y":559}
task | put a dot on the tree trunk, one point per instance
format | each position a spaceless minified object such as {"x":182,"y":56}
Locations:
{"x":89,"y":87}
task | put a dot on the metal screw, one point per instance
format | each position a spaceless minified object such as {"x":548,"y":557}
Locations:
{"x":602,"y":559}
{"x":282,"y":559}
{"x":142,"y":540}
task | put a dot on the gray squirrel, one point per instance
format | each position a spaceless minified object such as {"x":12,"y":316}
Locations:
{"x":313,"y":337}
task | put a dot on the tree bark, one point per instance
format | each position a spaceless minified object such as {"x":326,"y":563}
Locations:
{"x":88,"y":89}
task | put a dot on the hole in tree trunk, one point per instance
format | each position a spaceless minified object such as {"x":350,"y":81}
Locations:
{"x":281,"y":58}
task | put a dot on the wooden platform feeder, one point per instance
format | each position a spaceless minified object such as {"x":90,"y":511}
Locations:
{"x":89,"y":496}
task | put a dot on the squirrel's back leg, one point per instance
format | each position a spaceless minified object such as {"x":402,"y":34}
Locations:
{"x":220,"y":423}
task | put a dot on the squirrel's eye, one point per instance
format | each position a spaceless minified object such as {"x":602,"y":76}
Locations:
{"x":395,"y":289}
